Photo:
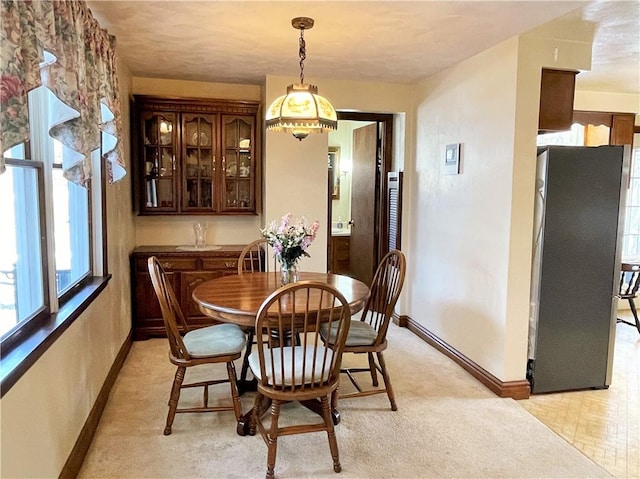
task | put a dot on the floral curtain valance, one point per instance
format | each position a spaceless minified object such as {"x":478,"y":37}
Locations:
{"x":60,"y":45}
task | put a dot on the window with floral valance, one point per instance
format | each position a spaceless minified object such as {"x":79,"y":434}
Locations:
{"x":60,"y":45}
{"x":59,"y":121}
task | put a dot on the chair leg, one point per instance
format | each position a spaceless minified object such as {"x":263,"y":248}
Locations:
{"x":235,"y":397}
{"x":331,"y":433}
{"x":272,"y":439}
{"x":372,"y":368}
{"x":635,"y":313}
{"x":387,"y":382}
{"x":173,"y":399}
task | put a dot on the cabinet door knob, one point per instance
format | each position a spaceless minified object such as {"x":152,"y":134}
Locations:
{"x":167,"y":265}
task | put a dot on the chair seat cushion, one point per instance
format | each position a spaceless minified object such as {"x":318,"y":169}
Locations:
{"x":360,"y":334}
{"x":298,"y":353}
{"x":217,"y":340}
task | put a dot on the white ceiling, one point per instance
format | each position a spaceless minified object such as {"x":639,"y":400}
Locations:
{"x":385,"y":41}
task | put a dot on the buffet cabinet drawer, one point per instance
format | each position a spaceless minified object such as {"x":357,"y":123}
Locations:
{"x":185,"y":270}
{"x":169,"y":263}
{"x":220,"y":264}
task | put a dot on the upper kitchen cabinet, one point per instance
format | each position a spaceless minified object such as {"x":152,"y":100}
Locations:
{"x":557,"y":89}
{"x":196,"y":156}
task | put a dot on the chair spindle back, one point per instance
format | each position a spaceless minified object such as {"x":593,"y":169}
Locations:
{"x":256,"y":257}
{"x":171,"y":313}
{"x":629,"y":281}
{"x":385,"y":290}
{"x":288,"y":337}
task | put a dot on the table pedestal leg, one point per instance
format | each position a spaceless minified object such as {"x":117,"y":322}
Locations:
{"x":312,"y":404}
{"x":242,"y":428}
{"x":316,"y":406}
{"x":247,"y":385}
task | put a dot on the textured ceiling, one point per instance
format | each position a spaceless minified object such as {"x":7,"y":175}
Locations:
{"x":386,"y":41}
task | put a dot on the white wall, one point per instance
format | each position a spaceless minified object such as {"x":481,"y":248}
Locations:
{"x":470,"y":245}
{"x":44,"y":412}
{"x":457,"y":278}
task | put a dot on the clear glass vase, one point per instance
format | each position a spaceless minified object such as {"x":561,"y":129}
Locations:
{"x":200,"y":230}
{"x":288,"y":273}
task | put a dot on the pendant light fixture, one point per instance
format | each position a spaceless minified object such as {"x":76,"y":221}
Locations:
{"x":301,"y":111}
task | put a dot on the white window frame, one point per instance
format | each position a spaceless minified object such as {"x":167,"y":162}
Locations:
{"x":631,"y":233}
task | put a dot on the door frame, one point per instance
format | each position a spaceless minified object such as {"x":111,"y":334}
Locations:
{"x":383,"y":158}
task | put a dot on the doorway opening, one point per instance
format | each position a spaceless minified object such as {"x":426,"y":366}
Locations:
{"x":359,"y":159}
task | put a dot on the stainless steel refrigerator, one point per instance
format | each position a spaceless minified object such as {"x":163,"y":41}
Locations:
{"x":579,"y":211}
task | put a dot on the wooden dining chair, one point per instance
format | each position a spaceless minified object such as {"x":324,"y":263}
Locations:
{"x":255,"y":257}
{"x":629,"y":285}
{"x":221,"y":343}
{"x":368,"y":334}
{"x":305,"y":368}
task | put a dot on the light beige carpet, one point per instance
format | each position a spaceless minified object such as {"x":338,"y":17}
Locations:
{"x":447,"y":426}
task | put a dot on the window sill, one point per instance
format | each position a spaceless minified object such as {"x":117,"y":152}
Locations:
{"x":19,"y":359}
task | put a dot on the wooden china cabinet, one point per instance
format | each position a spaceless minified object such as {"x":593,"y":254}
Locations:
{"x":196,"y":156}
{"x":190,"y":157}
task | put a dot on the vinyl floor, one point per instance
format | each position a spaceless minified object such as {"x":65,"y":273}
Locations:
{"x":602,"y":424}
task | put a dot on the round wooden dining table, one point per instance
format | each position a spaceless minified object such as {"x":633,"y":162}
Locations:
{"x":237,"y":298}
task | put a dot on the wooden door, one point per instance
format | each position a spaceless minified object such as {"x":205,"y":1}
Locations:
{"x":363,"y":201}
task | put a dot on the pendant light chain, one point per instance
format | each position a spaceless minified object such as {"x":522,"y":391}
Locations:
{"x":301,"y":111}
{"x":302,"y":52}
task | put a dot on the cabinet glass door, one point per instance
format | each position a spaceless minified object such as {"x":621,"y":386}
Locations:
{"x":238,"y":163}
{"x":199,"y":162}
{"x":159,"y":159}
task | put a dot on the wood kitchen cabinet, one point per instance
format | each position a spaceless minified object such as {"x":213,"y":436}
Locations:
{"x":557,"y":90}
{"x":196,"y":156}
{"x":185,"y":270}
{"x":339,"y":255}
{"x":621,"y":125}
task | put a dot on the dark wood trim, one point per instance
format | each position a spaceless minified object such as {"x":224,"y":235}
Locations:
{"x":18,"y":359}
{"x":74,"y":462}
{"x":509,"y":389}
{"x":204,"y":105}
{"x":585,"y":117}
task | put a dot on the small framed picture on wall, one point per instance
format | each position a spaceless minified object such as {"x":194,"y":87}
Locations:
{"x":452,"y":159}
